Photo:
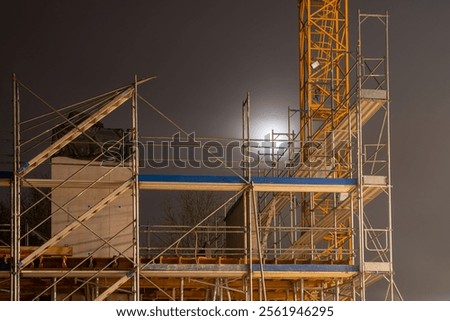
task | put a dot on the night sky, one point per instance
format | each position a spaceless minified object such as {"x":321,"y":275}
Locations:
{"x":208,"y":54}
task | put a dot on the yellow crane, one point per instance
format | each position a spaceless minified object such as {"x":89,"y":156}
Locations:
{"x":323,"y":64}
{"x":324,"y":96}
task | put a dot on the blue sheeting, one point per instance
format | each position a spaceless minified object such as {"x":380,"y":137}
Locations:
{"x":190,"y":178}
{"x":236,"y":179}
{"x":304,"y":180}
{"x":233,"y":179}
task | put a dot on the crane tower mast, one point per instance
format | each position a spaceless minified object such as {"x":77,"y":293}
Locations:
{"x":323,"y":64}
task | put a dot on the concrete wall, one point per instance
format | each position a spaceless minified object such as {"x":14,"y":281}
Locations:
{"x":105,"y":223}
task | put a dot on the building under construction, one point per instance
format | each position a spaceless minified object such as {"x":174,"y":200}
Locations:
{"x":305,"y":214}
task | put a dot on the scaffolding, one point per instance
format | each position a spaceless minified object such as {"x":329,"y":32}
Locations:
{"x":305,"y":215}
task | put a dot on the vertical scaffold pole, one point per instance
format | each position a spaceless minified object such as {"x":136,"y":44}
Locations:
{"x":15,"y":198}
{"x":135,"y":191}
{"x":360,"y":167}
{"x":388,"y":101}
{"x":248,"y":218}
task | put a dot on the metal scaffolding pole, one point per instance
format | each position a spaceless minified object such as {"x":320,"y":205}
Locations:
{"x":15,"y":198}
{"x":135,"y":191}
{"x":360,"y":194}
{"x":389,"y":181}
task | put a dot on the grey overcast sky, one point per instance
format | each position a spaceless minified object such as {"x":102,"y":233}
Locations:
{"x":208,"y":54}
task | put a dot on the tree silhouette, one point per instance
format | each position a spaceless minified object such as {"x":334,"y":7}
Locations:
{"x":36,"y":209}
{"x":185,"y":212}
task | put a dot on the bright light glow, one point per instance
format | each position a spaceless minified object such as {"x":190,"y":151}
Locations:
{"x":262,"y":126}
